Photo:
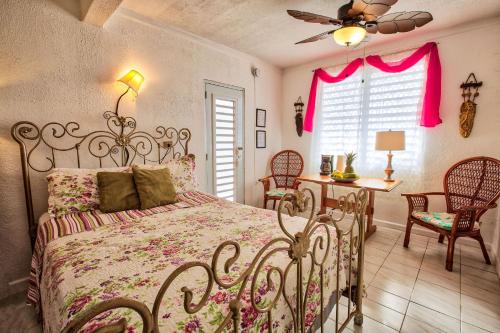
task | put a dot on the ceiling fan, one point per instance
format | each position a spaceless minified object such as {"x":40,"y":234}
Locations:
{"x":358,"y":17}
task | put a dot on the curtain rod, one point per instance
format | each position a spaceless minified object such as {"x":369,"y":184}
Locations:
{"x":382,"y":55}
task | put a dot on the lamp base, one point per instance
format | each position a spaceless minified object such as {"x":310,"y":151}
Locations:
{"x":389,"y":170}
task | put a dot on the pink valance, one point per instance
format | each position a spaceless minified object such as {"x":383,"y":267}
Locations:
{"x":320,"y":74}
{"x":432,"y":98}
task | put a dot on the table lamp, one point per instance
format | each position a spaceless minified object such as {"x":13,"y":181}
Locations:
{"x":390,"y":140}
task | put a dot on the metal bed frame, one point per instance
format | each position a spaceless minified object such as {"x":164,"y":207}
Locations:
{"x":122,"y":144}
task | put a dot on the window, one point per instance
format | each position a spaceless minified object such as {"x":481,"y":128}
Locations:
{"x":352,"y":111}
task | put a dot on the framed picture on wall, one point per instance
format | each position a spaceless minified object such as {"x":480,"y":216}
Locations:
{"x":260,"y":139}
{"x":260,"y":118}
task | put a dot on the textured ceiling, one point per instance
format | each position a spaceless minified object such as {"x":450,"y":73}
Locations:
{"x":264,"y":29}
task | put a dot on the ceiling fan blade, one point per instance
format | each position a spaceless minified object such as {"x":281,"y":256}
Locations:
{"x":399,"y":22}
{"x":371,"y":9}
{"x":313,"y":18}
{"x":317,"y":37}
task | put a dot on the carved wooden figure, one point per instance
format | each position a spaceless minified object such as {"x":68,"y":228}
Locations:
{"x":468,"y":109}
{"x":299,"y":120}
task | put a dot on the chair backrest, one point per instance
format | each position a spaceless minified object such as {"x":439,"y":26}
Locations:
{"x":286,"y":166}
{"x":472,"y":182}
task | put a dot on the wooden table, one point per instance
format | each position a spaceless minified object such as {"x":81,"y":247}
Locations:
{"x":371,"y":184}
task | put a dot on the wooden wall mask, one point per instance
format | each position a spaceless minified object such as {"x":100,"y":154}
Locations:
{"x":468,"y":109}
{"x":299,"y":119}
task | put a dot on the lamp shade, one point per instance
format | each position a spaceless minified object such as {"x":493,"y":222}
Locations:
{"x":390,"y":140}
{"x":133,"y":80}
{"x":349,"y":36}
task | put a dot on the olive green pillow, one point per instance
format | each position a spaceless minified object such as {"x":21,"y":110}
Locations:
{"x":154,"y":187}
{"x":117,"y":192}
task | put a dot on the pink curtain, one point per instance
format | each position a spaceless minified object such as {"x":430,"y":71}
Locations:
{"x":320,"y":74}
{"x":432,"y":98}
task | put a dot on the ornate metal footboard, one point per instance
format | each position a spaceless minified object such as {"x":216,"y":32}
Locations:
{"x":308,"y":252}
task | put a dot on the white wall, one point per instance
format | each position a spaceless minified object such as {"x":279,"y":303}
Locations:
{"x":474,"y":48}
{"x":56,"y":68}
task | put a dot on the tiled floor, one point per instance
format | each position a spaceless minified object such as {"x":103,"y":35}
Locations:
{"x":408,"y":290}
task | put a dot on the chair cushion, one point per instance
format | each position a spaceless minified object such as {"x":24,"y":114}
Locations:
{"x":438,"y":219}
{"x":279,"y":192}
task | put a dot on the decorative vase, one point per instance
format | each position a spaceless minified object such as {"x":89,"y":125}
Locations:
{"x":326,"y":165}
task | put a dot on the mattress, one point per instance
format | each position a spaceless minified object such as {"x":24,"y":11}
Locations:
{"x":134,"y":256}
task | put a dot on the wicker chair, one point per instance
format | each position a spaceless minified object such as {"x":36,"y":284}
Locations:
{"x":471,"y":187}
{"x":286,"y":166}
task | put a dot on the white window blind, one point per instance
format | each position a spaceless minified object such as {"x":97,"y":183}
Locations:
{"x":352,"y":111}
{"x":225,"y":134}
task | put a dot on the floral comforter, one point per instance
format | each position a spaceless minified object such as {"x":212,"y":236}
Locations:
{"x":133,"y":257}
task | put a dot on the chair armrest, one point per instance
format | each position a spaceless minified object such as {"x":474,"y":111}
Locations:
{"x":421,"y":194}
{"x":266,"y":181}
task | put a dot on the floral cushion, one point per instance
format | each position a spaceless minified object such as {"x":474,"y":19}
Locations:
{"x":182,"y":172}
{"x":74,"y":190}
{"x":440,"y":220}
{"x":279,"y":192}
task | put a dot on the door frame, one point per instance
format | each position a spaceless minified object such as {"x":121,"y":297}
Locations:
{"x":239,"y":177}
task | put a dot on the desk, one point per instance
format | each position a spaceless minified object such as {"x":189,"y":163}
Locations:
{"x":371,"y":184}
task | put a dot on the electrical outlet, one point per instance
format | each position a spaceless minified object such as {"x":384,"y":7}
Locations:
{"x":167,"y":144}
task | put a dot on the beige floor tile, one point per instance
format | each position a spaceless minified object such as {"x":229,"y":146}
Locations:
{"x":433,"y":318}
{"x":378,"y":245}
{"x":404,"y":259}
{"x":382,"y":314}
{"x":471,"y":271}
{"x":450,"y":281}
{"x":482,"y":279}
{"x":375,"y":256}
{"x":480,"y":314}
{"x":479,"y":293}
{"x":394,"y":282}
{"x":468,"y":328}
{"x":395,"y":264}
{"x":369,"y":326}
{"x":411,"y":325}
{"x":389,"y":300}
{"x":437,"y":298}
{"x":415,"y":240}
{"x":478,"y":264}
{"x":436,"y":258}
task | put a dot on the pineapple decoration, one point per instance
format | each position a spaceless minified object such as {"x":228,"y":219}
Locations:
{"x":349,"y":170}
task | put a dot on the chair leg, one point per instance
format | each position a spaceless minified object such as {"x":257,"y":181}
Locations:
{"x":265,"y":202}
{"x":479,"y":238}
{"x":441,"y":238}
{"x":449,"y":255}
{"x":409,"y":224}
{"x":274,"y":204}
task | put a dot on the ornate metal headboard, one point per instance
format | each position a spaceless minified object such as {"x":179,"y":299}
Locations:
{"x":121,"y":144}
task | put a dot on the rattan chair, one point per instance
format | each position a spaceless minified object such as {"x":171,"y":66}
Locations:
{"x":471,"y":187}
{"x":286,"y":166}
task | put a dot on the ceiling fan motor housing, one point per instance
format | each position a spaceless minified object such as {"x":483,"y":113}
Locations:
{"x":342,"y":13}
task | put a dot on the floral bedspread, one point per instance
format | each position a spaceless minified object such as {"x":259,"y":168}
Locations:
{"x":134,"y":257}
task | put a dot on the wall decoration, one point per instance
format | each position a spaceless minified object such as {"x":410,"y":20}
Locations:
{"x":260,"y":118}
{"x":299,"y":119}
{"x":260,"y":139}
{"x":468,"y":108}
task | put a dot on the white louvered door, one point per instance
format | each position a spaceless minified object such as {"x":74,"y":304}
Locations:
{"x":225,"y":171}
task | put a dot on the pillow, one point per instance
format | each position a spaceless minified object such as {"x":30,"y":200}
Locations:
{"x":74,"y":190}
{"x":117,"y":192}
{"x":182,"y":173}
{"x":154,"y":187}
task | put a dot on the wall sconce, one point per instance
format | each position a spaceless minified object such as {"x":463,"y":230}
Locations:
{"x":299,"y":120}
{"x":133,"y":79}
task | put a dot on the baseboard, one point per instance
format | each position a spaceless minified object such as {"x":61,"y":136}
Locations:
{"x":417,"y":230}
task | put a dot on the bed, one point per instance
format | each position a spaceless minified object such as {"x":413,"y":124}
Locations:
{"x":203,"y":264}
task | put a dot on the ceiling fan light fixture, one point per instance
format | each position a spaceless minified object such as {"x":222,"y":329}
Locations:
{"x":349,"y":35}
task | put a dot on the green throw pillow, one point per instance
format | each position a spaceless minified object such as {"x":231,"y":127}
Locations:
{"x":117,"y":192}
{"x":155,"y":187}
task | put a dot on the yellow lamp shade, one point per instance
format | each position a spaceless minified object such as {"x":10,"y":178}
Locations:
{"x":133,"y":80}
{"x":349,"y":36}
